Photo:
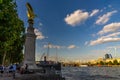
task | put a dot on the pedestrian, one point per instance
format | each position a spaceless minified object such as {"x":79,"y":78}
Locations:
{"x":7,"y":70}
{"x":22,"y":69}
{"x":1,"y":70}
{"x":14,"y":70}
{"x":26,"y":68}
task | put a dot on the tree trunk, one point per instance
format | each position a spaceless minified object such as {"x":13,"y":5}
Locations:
{"x":4,"y":56}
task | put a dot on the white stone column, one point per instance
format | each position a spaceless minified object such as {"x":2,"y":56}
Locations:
{"x":29,"y":53}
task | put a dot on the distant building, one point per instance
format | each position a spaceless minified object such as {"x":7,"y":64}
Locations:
{"x":108,"y":56}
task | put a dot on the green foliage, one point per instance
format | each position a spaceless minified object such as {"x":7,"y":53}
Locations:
{"x":1,"y":1}
{"x":11,"y":32}
{"x":115,"y":62}
{"x":110,"y":63}
{"x":101,"y":63}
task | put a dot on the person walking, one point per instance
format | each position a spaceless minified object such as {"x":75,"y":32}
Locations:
{"x":14,"y":70}
{"x":26,"y":68}
{"x":1,"y":70}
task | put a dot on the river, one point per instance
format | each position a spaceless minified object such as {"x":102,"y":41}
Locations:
{"x":91,"y":73}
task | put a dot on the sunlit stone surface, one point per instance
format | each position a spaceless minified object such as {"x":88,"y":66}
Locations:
{"x":29,"y":54}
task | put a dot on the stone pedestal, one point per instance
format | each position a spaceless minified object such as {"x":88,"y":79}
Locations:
{"x":29,"y":54}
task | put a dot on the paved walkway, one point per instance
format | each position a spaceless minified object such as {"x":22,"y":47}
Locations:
{"x":6,"y":76}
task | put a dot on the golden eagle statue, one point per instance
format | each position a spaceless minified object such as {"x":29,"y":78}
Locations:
{"x":30,"y":12}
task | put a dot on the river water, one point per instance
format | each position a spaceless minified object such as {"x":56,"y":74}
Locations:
{"x":91,"y":73}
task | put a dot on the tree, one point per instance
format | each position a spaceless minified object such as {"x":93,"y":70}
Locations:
{"x":11,"y":32}
{"x":1,"y":1}
{"x":101,"y":63}
{"x":115,"y":62}
{"x":110,"y":63}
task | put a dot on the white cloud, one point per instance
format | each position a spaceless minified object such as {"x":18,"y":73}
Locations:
{"x":104,"y":40}
{"x":39,"y":34}
{"x":52,"y":46}
{"x":114,"y":34}
{"x":60,"y":47}
{"x":86,"y":43}
{"x":114,"y":37}
{"x":25,"y":30}
{"x":40,"y":24}
{"x":113,"y":27}
{"x":94,"y":12}
{"x":72,"y":47}
{"x":113,"y":47}
{"x":76,"y":18}
{"x":105,"y":18}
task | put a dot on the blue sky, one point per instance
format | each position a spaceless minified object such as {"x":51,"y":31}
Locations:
{"x":79,"y":29}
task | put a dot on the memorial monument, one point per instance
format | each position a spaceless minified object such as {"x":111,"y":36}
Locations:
{"x":29,"y":53}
